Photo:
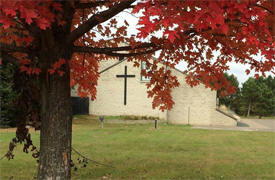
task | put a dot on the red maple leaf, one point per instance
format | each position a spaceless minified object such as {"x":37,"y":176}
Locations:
{"x":28,"y":15}
{"x":10,"y":12}
{"x":6,"y":21}
{"x":172,"y":35}
{"x":36,"y":71}
{"x":43,"y":23}
{"x":57,"y":6}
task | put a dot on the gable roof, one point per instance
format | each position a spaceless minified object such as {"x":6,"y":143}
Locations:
{"x":120,"y":61}
{"x":113,"y":65}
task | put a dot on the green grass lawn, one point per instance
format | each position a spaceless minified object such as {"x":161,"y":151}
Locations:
{"x":170,"y":152}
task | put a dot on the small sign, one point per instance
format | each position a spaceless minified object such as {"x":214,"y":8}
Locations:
{"x":101,"y":119}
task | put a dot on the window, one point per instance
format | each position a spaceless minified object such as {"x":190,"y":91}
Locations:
{"x":143,"y":67}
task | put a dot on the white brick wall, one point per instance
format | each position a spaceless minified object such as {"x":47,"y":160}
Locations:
{"x":195,"y":106}
{"x":110,"y":96}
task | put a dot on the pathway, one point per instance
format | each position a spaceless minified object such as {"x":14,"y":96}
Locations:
{"x":247,"y":125}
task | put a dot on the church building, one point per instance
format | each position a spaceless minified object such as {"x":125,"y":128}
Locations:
{"x":122,"y":90}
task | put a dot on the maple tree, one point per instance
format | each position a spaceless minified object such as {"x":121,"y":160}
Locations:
{"x":60,"y":43}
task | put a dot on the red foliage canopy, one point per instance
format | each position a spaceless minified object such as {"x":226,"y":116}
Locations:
{"x":192,"y":31}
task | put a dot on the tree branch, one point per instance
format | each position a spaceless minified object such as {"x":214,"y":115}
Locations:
{"x":97,"y":19}
{"x":110,"y":49}
{"x":96,"y":162}
{"x":131,"y":54}
{"x":113,"y":51}
{"x":270,"y":11}
{"x":90,"y":4}
{"x":13,"y":48}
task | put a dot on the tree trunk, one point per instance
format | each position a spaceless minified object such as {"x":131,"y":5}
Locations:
{"x":56,"y":127}
{"x":249,"y":109}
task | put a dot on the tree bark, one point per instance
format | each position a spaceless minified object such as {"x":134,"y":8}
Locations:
{"x":56,"y":127}
{"x":249,"y":109}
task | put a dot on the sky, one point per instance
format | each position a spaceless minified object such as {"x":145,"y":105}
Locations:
{"x":237,"y":69}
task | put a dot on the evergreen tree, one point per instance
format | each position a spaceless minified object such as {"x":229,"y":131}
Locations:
{"x":8,"y":96}
{"x":258,"y":97}
{"x":250,"y":93}
{"x":229,"y":100}
{"x":270,"y":81}
{"x":265,"y":104}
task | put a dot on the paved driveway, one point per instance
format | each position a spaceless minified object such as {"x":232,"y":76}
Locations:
{"x":261,"y":124}
{"x":247,"y":125}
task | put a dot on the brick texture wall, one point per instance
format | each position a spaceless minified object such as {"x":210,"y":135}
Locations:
{"x":194,"y":106}
{"x":110,"y":96}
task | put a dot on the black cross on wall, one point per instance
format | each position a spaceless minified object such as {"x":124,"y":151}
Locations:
{"x":125,"y":76}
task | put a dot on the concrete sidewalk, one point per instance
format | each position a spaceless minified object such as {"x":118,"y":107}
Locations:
{"x":246,"y":125}
{"x":118,"y":121}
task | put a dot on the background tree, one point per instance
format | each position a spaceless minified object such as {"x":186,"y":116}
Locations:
{"x":257,"y":97}
{"x":62,"y":42}
{"x":8,"y":112}
{"x":265,"y":103}
{"x":250,"y":95}
{"x":229,"y":100}
{"x":270,"y":82}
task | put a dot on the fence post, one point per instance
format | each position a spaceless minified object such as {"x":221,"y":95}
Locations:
{"x":188,"y":115}
{"x":156,"y":124}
